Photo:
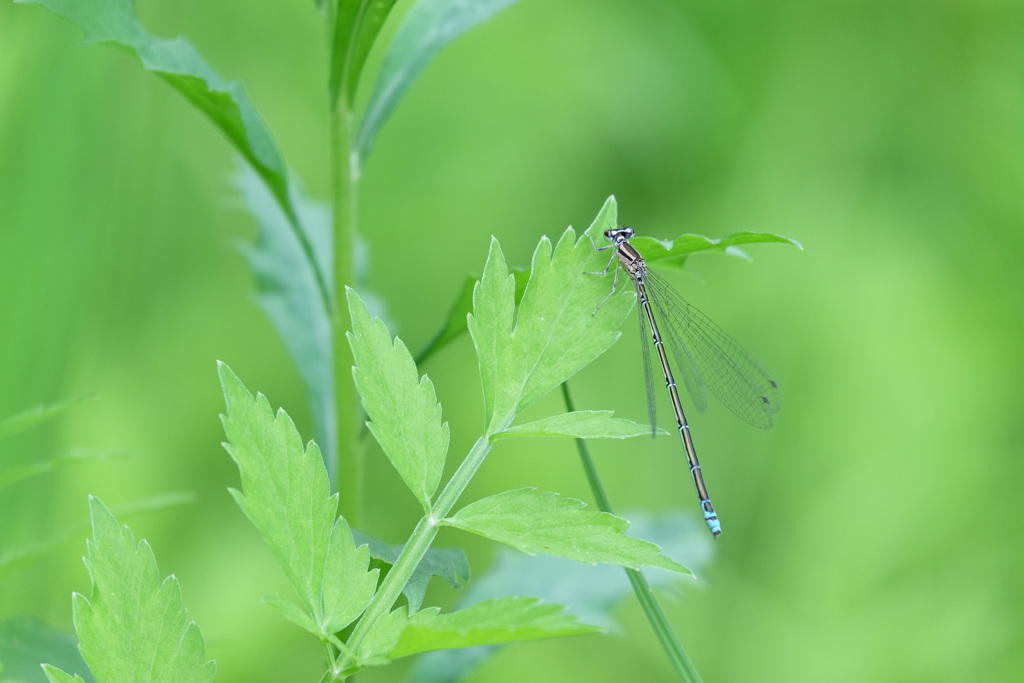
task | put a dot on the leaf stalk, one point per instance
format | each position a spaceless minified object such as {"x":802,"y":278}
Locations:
{"x":659,"y":622}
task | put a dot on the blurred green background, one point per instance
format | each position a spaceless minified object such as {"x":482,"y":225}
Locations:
{"x":874,"y":534}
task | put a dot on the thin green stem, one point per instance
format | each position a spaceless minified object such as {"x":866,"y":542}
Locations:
{"x":659,"y":622}
{"x":348,"y":473}
{"x":418,"y":544}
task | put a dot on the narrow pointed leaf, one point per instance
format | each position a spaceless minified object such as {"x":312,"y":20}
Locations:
{"x":179,"y":64}
{"x":134,"y":628}
{"x":428,"y":27}
{"x":13,"y":475}
{"x":454,"y":325}
{"x":548,"y":523}
{"x":582,"y":424}
{"x":349,"y":54}
{"x":343,"y":32}
{"x":286,"y":495}
{"x":34,"y":417}
{"x":450,"y":564}
{"x":557,"y":330}
{"x":673,"y":253}
{"x":405,"y":416}
{"x":490,"y":622}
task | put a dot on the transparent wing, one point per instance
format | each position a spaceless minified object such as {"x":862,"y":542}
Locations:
{"x":734,"y":376}
{"x":686,"y":365}
{"x":645,"y":344}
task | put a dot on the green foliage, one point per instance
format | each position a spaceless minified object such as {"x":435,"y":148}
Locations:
{"x":582,"y":424}
{"x":134,"y":627}
{"x":556,"y":330}
{"x":33,"y":417}
{"x":673,"y":253}
{"x":300,"y":268}
{"x":491,"y":622}
{"x":13,"y":475}
{"x":55,"y":675}
{"x":18,"y":555}
{"x":225,"y":103}
{"x":356,"y":27}
{"x":592,"y":593}
{"x":286,"y":493}
{"x":448,"y":563}
{"x":405,"y":417}
{"x":26,"y":641}
{"x":286,"y":496}
{"x":455,"y":323}
{"x":536,"y":522}
{"x":179,"y":64}
{"x":426,"y":29}
{"x":286,"y":287}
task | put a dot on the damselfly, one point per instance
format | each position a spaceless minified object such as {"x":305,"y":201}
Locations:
{"x":707,"y":357}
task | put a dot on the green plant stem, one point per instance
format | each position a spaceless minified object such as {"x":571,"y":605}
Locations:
{"x":418,"y":544}
{"x":659,"y":622}
{"x":347,"y":473}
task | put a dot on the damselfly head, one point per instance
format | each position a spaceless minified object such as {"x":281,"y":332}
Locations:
{"x":619,"y":235}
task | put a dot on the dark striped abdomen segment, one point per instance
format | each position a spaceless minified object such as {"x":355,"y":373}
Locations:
{"x":684,"y":429}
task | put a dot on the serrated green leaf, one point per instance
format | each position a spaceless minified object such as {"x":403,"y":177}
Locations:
{"x":455,"y":324}
{"x":450,"y":564}
{"x":405,"y":416}
{"x":490,"y":323}
{"x":55,"y":675}
{"x":425,"y":30}
{"x":557,"y":330}
{"x":134,"y":628}
{"x":548,"y":523}
{"x":500,"y":620}
{"x":286,"y":495}
{"x":590,"y":593}
{"x":33,"y":417}
{"x":179,"y":64}
{"x":286,"y":288}
{"x":26,"y":643}
{"x":347,"y":585}
{"x":673,"y":253}
{"x":582,"y":424}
